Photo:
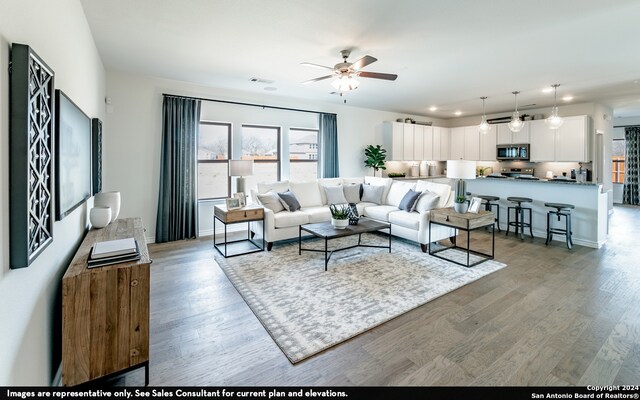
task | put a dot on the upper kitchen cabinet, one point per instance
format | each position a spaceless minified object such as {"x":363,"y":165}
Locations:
{"x":488,"y":145}
{"x":408,"y":142}
{"x":457,"y":143}
{"x":570,"y":143}
{"x":505,"y":136}
{"x":471,"y":143}
{"x":441,"y":138}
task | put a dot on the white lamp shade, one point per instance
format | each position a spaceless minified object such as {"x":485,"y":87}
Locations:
{"x":240,"y":167}
{"x":461,"y":169}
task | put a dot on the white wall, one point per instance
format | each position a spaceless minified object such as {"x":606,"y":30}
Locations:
{"x":29,"y":298}
{"x":132,"y":160}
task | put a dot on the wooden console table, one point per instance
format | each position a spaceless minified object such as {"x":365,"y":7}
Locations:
{"x":105,"y":310}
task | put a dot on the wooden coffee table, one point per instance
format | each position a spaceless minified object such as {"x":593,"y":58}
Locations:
{"x":326,"y":231}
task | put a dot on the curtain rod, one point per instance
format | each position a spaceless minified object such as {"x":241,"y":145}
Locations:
{"x":626,"y":126}
{"x":247,"y":104}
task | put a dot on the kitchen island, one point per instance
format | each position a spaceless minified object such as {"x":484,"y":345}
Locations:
{"x":589,"y":218}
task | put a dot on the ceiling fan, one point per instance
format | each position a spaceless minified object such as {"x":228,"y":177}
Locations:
{"x":346,"y":72}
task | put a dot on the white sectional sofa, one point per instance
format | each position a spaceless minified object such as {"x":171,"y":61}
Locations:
{"x":413,"y":225}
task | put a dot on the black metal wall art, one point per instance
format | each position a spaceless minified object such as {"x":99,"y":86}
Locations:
{"x":30,"y":156}
{"x":96,"y":156}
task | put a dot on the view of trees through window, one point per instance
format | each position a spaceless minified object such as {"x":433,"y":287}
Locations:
{"x":617,"y":159}
{"x":262,"y":145}
{"x":303,"y":154}
{"x":213,"y":160}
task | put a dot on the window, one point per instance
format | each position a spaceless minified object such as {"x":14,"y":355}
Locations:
{"x":213,"y":160}
{"x":262,"y":145}
{"x":617,"y":159}
{"x":303,"y":154}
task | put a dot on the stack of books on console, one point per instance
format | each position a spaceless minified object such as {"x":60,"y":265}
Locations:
{"x":113,"y":252}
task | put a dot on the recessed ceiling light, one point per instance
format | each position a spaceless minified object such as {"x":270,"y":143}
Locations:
{"x":433,"y":108}
{"x":458,"y":113}
{"x":567,"y":98}
{"x":547,"y":90}
{"x":270,"y":88}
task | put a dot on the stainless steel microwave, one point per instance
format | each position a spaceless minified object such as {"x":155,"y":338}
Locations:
{"x":512,"y":152}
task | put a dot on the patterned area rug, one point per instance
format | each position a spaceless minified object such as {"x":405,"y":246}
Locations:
{"x":307,"y":310}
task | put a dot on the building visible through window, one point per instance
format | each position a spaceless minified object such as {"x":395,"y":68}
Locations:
{"x":213,"y":160}
{"x":262,"y":145}
{"x":303,"y":154}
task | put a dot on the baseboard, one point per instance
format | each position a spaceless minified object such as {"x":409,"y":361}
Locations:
{"x":557,"y":238}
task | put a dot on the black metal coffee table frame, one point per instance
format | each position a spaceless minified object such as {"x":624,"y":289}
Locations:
{"x":326,"y":231}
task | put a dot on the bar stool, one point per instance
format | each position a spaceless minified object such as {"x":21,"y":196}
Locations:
{"x":519,"y":216}
{"x":488,"y":207}
{"x":562,"y":210}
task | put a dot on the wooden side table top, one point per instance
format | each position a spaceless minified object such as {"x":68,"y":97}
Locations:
{"x":246,"y":213}
{"x":449,"y":217}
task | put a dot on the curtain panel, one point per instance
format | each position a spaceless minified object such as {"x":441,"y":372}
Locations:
{"x":631,"y":194}
{"x":328,"y":142}
{"x":177,"y":199}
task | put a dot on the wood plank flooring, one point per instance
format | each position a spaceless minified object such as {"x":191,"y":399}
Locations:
{"x":553,"y":317}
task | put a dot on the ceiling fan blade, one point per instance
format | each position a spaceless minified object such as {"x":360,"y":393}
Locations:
{"x":378,"y":75}
{"x":318,"y":79}
{"x":363,"y":62}
{"x":316,"y":65}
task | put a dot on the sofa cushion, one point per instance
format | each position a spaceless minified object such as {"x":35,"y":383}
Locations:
{"x":271,"y":200}
{"x":379,"y":212}
{"x":350,"y":181}
{"x":289,"y":201}
{"x":317,"y":214}
{"x":362,"y":205}
{"x":335,"y":195}
{"x":409,"y":200}
{"x":275,"y":186}
{"x":372,"y":193}
{"x":397,"y":191}
{"x":441,"y":189}
{"x":328,"y":182}
{"x":307,"y":193}
{"x":352,"y":192}
{"x":374,"y":180}
{"x":427,"y":201}
{"x":288,"y":219}
{"x":409,"y":220}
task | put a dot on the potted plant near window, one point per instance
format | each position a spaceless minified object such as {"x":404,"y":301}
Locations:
{"x":375,"y":156}
{"x":460,"y":204}
{"x":339,"y":216}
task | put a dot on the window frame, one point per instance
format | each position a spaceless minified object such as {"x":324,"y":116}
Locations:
{"x":303,"y":160}
{"x":615,"y":166}
{"x":278,"y":161}
{"x":229,"y":125}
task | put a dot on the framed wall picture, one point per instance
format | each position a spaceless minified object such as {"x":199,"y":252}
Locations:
{"x":233,"y":203}
{"x":474,"y":206}
{"x":240,"y":196}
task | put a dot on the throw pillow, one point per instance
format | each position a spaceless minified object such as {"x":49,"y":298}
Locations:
{"x":271,"y":201}
{"x":427,"y":201}
{"x":409,"y":200}
{"x":372,"y":193}
{"x":335,"y":195}
{"x":352,"y":192}
{"x":289,"y":201}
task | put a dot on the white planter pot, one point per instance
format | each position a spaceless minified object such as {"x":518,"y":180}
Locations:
{"x":100,"y":217}
{"x":108,"y":199}
{"x":339,"y":223}
{"x":461,"y":207}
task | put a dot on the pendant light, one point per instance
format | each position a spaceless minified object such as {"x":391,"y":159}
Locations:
{"x":516,"y":124}
{"x":554,"y":121}
{"x":484,"y":127}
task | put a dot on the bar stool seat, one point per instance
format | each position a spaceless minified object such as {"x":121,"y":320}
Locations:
{"x":488,"y":207}
{"x":520,"y":214}
{"x":562,"y":210}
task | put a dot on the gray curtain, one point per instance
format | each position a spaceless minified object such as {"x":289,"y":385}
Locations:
{"x":631,"y":193}
{"x":177,"y":201}
{"x":328,"y":143}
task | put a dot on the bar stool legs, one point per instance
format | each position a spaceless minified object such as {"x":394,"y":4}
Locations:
{"x":520,"y":214}
{"x":562,"y":210}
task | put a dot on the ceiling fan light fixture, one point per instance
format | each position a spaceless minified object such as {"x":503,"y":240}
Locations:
{"x":516,"y":124}
{"x":484,"y":126}
{"x":554,"y":121}
{"x":345,"y":83}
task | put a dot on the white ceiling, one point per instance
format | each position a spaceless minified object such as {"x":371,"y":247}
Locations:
{"x":446,"y":53}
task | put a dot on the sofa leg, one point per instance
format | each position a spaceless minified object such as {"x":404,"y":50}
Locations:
{"x":424,"y":247}
{"x":269,"y":246}
{"x":453,"y":240}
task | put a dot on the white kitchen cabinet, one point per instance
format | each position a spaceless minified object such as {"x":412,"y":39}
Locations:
{"x":488,"y":145}
{"x":408,"y":142}
{"x":543,"y":142}
{"x":418,"y":142}
{"x":570,"y":143}
{"x":471,"y":143}
{"x":505,"y":136}
{"x":393,"y":140}
{"x":427,"y":145}
{"x":445,"y":144}
{"x":457,"y":143}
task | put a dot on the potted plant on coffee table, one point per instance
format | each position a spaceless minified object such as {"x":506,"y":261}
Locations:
{"x":339,"y":216}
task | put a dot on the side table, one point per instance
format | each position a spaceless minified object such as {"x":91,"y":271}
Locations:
{"x":244,"y":214}
{"x":464,"y":222}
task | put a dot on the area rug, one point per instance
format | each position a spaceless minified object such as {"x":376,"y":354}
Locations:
{"x":307,"y":310}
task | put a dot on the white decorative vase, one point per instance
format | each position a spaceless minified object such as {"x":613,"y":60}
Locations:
{"x":108,"y":199}
{"x":461,"y":207}
{"x":100,"y":216}
{"x":339,"y":223}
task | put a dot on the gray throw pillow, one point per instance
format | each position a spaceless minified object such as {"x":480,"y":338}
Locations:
{"x":335,"y":195}
{"x":352,"y":192}
{"x":289,"y":201}
{"x":372,"y":193}
{"x":271,"y":201}
{"x":427,"y":201}
{"x":409,"y":200}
